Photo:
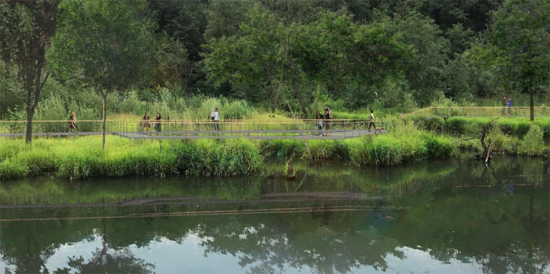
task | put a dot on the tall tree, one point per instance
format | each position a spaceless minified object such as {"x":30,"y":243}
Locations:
{"x":425,"y":70}
{"x":519,"y":45}
{"x":256,"y":57}
{"x":25,"y":31}
{"x":225,"y":17}
{"x":106,"y":43}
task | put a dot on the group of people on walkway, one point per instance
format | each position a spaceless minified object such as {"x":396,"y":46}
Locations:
{"x":323,"y":121}
{"x":326,"y":117}
{"x":157,"y":122}
{"x":507,"y":103}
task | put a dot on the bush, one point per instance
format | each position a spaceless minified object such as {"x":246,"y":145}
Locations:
{"x":84,"y":158}
{"x":13,"y":169}
{"x":533,"y":143}
{"x":290,"y":148}
{"x":438,"y":147}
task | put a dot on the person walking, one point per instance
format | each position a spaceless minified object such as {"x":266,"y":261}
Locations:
{"x":509,"y":107}
{"x":215,"y":116}
{"x":145,"y":122}
{"x":158,"y":123}
{"x":328,"y":109}
{"x":372,"y":120}
{"x":504,"y":103}
{"x":319,"y":121}
{"x":72,"y":122}
{"x":328,"y":124}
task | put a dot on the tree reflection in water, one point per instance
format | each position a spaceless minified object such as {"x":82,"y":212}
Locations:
{"x":120,"y":261}
{"x":451,"y":216}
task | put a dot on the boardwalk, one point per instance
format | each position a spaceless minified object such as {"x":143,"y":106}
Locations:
{"x":181,"y":130}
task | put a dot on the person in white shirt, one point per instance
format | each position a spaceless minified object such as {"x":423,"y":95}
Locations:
{"x":215,"y":116}
{"x":372,"y":120}
{"x":319,"y":120}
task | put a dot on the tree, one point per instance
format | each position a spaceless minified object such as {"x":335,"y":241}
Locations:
{"x":106,"y":43}
{"x":256,"y":56}
{"x":25,"y":31}
{"x":225,"y":17}
{"x":425,"y":70}
{"x":183,"y":20}
{"x":519,"y":45}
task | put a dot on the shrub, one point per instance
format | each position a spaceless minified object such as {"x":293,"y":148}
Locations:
{"x":533,"y":143}
{"x":288,"y":147}
{"x":12,"y":169}
{"x":438,"y":147}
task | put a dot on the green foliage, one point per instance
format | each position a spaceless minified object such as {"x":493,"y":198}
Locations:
{"x":329,"y":150}
{"x":533,"y":143}
{"x":108,"y":44}
{"x":518,"y":46}
{"x":11,"y":94}
{"x":291,"y":148}
{"x":406,"y":144}
{"x":84,"y":158}
{"x":459,"y":126}
{"x":426,"y":69}
{"x":225,"y":17}
{"x":276,"y":57}
{"x":438,"y":147}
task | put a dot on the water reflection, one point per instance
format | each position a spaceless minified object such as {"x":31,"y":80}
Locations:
{"x":457,"y":216}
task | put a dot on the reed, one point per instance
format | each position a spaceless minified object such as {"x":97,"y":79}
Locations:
{"x":84,"y":158}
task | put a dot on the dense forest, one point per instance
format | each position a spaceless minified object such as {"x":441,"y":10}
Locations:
{"x":272,"y":54}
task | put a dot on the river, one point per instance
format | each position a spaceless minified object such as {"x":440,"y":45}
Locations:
{"x":445,"y":216}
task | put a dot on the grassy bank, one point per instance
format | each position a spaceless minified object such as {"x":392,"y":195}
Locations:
{"x":84,"y":158}
{"x":406,"y":142}
{"x":457,"y":126}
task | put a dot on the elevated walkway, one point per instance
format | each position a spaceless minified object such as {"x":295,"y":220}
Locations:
{"x":190,"y":129}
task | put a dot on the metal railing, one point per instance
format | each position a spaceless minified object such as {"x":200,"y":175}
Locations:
{"x":522,"y":111}
{"x":191,"y":129}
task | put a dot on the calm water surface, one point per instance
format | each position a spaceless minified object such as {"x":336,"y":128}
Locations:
{"x":454,"y":216}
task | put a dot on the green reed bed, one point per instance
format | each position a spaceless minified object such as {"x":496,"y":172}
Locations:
{"x":405,"y":143}
{"x":462,"y":126}
{"x":517,"y":136}
{"x":84,"y":158}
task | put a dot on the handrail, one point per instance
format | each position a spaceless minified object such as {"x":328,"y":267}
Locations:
{"x":470,"y":108}
{"x":285,"y":121}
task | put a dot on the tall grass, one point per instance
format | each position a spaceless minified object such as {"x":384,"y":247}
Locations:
{"x":405,"y":143}
{"x":533,"y":143}
{"x":84,"y":158}
{"x":466,"y":126}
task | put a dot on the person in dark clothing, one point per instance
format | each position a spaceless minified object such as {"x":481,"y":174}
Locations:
{"x":158,"y":121}
{"x":328,"y":124}
{"x":504,"y":103}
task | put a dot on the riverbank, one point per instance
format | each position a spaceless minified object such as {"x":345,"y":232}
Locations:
{"x":83,"y":157}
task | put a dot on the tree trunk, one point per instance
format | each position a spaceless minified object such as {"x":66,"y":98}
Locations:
{"x":28,"y":135}
{"x":104,"y":120}
{"x":532,"y":107}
